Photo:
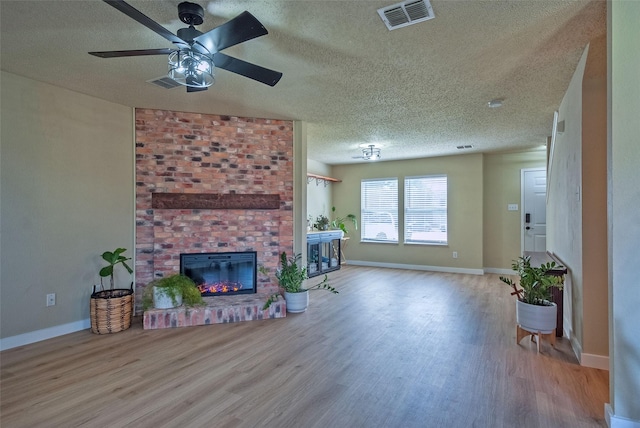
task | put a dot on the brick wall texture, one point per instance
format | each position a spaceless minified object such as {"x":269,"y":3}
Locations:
{"x":180,"y":152}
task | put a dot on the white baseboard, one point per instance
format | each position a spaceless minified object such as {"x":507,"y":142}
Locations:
{"x":614,"y":421}
{"x":446,"y":269}
{"x":594,"y":361}
{"x":500,"y":271}
{"x":44,"y":334}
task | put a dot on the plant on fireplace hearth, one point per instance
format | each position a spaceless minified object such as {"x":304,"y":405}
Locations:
{"x":113,"y":258}
{"x":175,"y":289}
{"x":291,"y":276}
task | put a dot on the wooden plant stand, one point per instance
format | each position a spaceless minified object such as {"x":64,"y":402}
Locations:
{"x":521,"y":333}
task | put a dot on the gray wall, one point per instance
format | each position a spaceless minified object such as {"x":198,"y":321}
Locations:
{"x":67,"y":196}
{"x":624,"y":206}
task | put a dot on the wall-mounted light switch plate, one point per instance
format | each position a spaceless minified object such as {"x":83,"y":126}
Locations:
{"x":512,"y":207}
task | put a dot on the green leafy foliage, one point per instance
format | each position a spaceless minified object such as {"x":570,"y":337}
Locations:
{"x":535,"y":282}
{"x":341,"y":222}
{"x":172,"y":286}
{"x":290,"y":277}
{"x":114,"y":258}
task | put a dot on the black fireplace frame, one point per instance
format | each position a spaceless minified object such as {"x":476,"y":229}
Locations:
{"x":217,"y":257}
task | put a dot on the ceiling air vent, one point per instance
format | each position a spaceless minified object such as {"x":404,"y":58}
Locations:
{"x":164,"y":82}
{"x":406,"y":13}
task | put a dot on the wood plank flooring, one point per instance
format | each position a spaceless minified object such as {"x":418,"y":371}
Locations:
{"x":395,"y":348}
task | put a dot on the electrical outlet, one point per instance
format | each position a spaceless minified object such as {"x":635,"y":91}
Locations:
{"x":455,"y":254}
{"x":51,"y":299}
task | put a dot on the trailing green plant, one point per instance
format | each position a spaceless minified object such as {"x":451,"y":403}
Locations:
{"x":340,"y":222}
{"x":290,"y":277}
{"x":172,"y":286}
{"x":113,"y":258}
{"x":535,"y":282}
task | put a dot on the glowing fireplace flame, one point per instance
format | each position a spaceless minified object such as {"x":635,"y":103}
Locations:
{"x":220,"y":287}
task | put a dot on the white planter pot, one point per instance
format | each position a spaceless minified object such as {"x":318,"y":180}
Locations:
{"x":534,"y":318}
{"x":297,"y":302}
{"x":162,"y":301}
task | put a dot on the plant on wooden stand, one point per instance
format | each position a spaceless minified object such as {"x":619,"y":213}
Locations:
{"x":341,"y":222}
{"x":290,"y":277}
{"x":536,"y":282}
{"x":170,"y":292}
{"x":535,"y":313}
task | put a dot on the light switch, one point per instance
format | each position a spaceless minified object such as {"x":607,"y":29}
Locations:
{"x":512,"y":207}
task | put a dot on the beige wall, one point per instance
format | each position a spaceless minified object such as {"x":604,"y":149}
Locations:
{"x":576,"y":215}
{"x":624,"y":206}
{"x":502,"y":186}
{"x":66,"y":197}
{"x":594,"y":200}
{"x":564,"y":209}
{"x":319,"y":195}
{"x":465,"y":213}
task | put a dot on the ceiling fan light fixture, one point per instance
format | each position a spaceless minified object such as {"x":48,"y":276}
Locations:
{"x":371,"y":153}
{"x":190,"y":68}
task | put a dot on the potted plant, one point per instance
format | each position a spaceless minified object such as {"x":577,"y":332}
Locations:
{"x":340,"y":222}
{"x":170,"y":292}
{"x":535,"y":313}
{"x":322,"y":223}
{"x":111,"y":310}
{"x":290,"y":277}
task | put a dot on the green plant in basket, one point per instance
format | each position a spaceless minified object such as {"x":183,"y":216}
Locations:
{"x":114,"y":259}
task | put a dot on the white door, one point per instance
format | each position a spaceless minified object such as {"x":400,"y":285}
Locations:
{"x":534,"y":209}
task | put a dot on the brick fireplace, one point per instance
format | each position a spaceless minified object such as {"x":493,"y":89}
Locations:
{"x":205,"y":158}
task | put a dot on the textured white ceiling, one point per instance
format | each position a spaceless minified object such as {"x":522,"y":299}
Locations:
{"x":419,"y":91}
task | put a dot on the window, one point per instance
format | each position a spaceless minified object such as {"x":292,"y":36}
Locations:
{"x":379,"y":210}
{"x":425,"y":210}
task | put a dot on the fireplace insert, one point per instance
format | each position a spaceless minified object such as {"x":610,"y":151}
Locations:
{"x":217,"y":274}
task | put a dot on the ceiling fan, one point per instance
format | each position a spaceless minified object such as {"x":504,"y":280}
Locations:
{"x":192,"y":61}
{"x":369,"y":152}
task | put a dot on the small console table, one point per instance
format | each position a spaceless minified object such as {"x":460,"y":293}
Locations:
{"x":323,"y":252}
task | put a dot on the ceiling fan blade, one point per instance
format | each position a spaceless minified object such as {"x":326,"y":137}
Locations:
{"x":143,"y":19}
{"x":246,"y":69}
{"x":240,"y":29}
{"x":137,"y":52}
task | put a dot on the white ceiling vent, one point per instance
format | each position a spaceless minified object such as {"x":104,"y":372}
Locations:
{"x":406,"y":13}
{"x":164,"y":82}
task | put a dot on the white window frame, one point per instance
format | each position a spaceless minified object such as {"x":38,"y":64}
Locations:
{"x":425,"y":219}
{"x":379,"y":212}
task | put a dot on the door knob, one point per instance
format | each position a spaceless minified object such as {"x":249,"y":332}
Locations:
{"x":528,"y":227}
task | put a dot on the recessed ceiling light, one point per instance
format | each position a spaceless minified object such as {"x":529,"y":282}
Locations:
{"x":495,"y":103}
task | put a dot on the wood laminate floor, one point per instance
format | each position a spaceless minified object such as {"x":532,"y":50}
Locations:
{"x":395,"y":348}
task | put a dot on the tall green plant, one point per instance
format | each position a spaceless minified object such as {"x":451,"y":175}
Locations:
{"x":290,"y":277}
{"x":114,"y":258}
{"x":341,"y":222}
{"x":535,"y":282}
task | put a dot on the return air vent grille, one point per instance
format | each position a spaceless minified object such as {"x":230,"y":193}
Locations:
{"x":164,"y":82}
{"x":406,"y":13}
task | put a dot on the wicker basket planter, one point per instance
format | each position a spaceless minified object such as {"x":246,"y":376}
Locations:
{"x":111,"y":310}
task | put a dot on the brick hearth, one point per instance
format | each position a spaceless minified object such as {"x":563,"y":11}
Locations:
{"x":218,"y":310}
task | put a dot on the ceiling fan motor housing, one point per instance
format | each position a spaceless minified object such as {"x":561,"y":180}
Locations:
{"x":188,"y":34}
{"x":190,"y":13}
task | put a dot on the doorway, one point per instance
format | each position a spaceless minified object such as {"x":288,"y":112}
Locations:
{"x":534,"y":209}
